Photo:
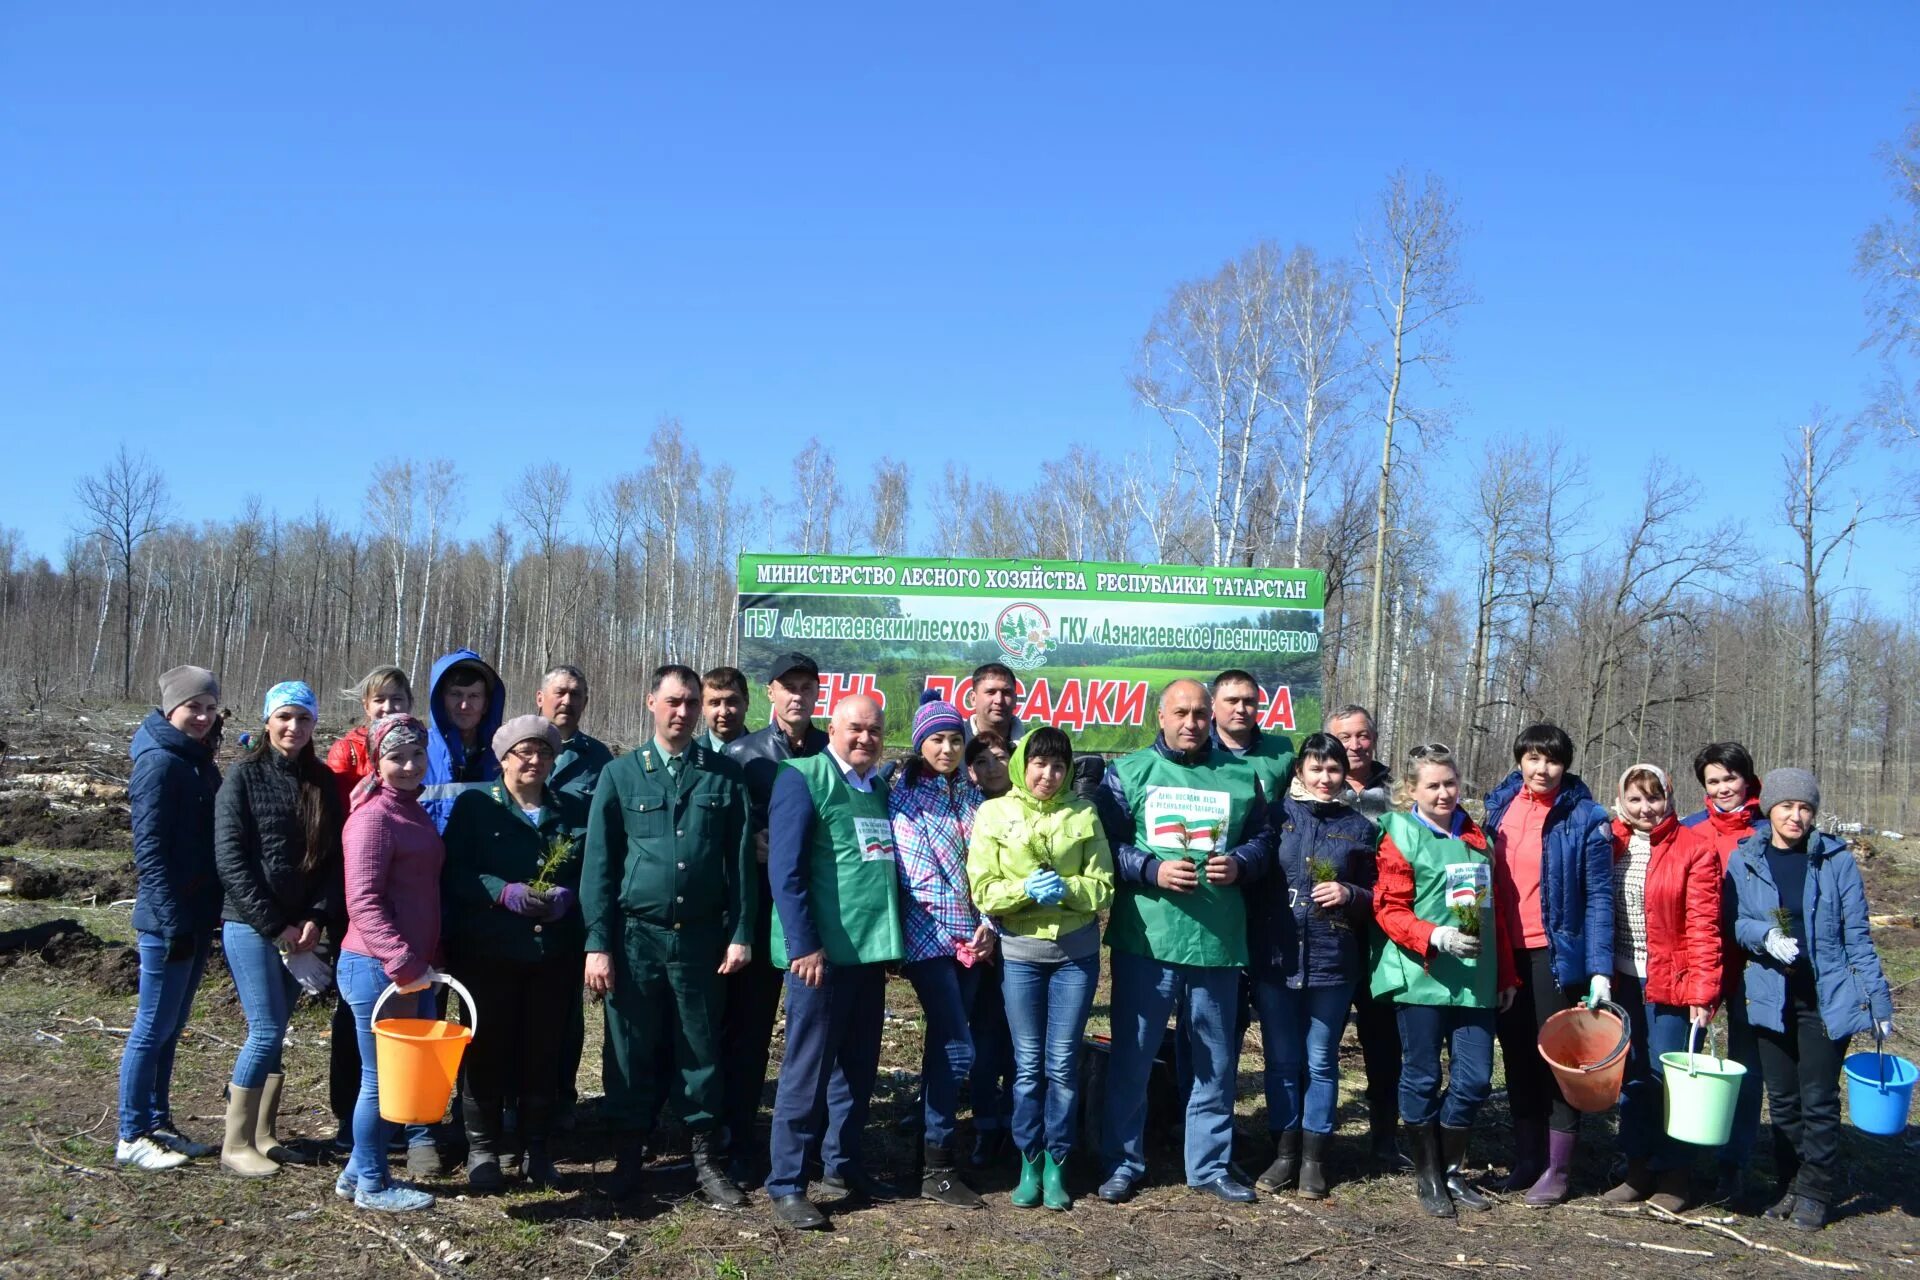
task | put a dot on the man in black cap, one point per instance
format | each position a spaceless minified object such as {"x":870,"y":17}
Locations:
{"x":753,"y":994}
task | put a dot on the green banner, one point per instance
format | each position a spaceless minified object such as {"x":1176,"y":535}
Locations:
{"x":1089,"y":644}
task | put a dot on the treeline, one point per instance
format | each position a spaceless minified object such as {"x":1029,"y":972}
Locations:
{"x":1289,"y":385}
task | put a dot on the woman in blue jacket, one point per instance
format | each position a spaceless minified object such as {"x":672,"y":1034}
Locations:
{"x":1813,"y":980}
{"x":1307,"y":923}
{"x":175,"y":909}
{"x":1553,"y":882}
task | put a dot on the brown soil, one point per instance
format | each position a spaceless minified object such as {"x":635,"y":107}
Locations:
{"x":36,"y":881}
{"x":67,"y":952}
{"x":35,"y":821}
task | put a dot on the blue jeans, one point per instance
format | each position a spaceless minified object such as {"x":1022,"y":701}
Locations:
{"x":166,"y":1001}
{"x":361,"y":981}
{"x":267,"y":993}
{"x":1654,"y":1029}
{"x":1468,"y":1037}
{"x":1047,"y":1007}
{"x":947,"y":990}
{"x":991,"y":1084}
{"x":826,"y":1080}
{"x":1300,"y":1030}
{"x":1145,"y":991}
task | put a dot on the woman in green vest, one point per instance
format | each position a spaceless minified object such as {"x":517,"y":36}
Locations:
{"x":1041,"y":871}
{"x":1433,"y":900}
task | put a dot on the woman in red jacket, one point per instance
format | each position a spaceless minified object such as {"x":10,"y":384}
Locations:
{"x":383,"y":691}
{"x":1667,"y":951}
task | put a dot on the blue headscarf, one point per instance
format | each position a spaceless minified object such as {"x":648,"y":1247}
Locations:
{"x":291,"y":693}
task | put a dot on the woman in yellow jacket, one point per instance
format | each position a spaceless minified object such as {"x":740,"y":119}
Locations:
{"x":1041,"y":872}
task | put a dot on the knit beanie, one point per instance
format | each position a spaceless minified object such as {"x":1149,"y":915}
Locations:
{"x":184,"y":684}
{"x":1783,"y":785}
{"x":936,"y":715}
{"x":290,"y":693}
{"x":519,"y":729}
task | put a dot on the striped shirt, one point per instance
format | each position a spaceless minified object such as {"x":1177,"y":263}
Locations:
{"x":1630,"y":905}
{"x":932,"y":823}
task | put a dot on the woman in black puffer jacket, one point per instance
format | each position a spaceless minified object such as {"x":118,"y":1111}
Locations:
{"x":1308,"y":922}
{"x":276,"y":841}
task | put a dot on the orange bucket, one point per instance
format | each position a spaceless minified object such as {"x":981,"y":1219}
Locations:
{"x":1587,"y":1049}
{"x":418,"y":1059}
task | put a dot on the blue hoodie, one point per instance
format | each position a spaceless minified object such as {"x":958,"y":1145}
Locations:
{"x":171,"y":795}
{"x":449,"y":771}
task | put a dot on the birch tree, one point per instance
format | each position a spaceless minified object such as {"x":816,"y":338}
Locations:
{"x":123,"y":505}
{"x":888,"y":499}
{"x":1824,"y":522}
{"x":539,"y":501}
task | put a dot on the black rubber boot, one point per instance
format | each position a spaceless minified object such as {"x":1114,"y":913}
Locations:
{"x":716,"y":1188}
{"x":1386,"y":1152}
{"x":629,"y":1166}
{"x":541,"y":1171}
{"x":1429,"y":1181}
{"x":1453,"y":1158}
{"x":1286,"y":1162}
{"x":941,"y":1184}
{"x":1313,"y":1169}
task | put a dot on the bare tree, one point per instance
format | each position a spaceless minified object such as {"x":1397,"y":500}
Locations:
{"x":1321,"y":359}
{"x":1411,"y":264}
{"x":392,"y":509}
{"x":1503,"y":517}
{"x":817,"y":498}
{"x":889,"y":495}
{"x":540,"y":502}
{"x":1209,"y":365}
{"x":614,"y":512}
{"x":439,"y":495}
{"x":1823,"y":522}
{"x":951,"y":503}
{"x":125,"y":503}
{"x":1888,"y":259}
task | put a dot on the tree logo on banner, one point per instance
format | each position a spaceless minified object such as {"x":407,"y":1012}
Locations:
{"x":1025,"y":635}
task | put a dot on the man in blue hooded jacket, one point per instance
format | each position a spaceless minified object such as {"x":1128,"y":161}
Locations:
{"x":466,"y":702}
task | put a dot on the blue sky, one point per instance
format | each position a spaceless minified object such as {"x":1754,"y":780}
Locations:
{"x":270,"y":249}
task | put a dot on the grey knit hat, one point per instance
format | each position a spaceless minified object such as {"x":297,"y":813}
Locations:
{"x":519,"y":729}
{"x":1783,"y":785}
{"x":184,"y":684}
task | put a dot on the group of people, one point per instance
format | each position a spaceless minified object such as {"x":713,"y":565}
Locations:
{"x":695,"y":879}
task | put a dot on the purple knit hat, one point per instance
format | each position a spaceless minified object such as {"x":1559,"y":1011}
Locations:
{"x":935,"y":715}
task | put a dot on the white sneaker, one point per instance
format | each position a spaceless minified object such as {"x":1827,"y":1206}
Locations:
{"x":146,"y":1155}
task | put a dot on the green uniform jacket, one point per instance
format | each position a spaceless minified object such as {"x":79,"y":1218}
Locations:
{"x":1191,"y":812}
{"x":490,"y":845}
{"x":579,"y":765}
{"x":1271,"y":759}
{"x":667,"y":854}
{"x":1443,"y":868}
{"x":853,"y":878}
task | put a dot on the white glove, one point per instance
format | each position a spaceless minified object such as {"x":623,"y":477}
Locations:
{"x":1885,"y":1029}
{"x":1781,"y":947}
{"x":309,"y":970}
{"x":1599,"y":990}
{"x":1455,"y":943}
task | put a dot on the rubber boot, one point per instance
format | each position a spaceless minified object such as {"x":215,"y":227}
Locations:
{"x":1635,"y":1187}
{"x":1555,"y":1185}
{"x":716,"y":1188}
{"x":1429,"y":1184}
{"x":237,"y":1153}
{"x":1672,"y":1191}
{"x":541,"y":1170}
{"x":629,"y":1166}
{"x":1529,"y":1155}
{"x":1286,"y":1162}
{"x":266,"y":1133}
{"x":1453,"y":1158}
{"x":1028,"y":1194}
{"x":1053,"y":1184}
{"x":1386,"y":1152}
{"x":1313,"y":1170}
{"x":939,"y":1182}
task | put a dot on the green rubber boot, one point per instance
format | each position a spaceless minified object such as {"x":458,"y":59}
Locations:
{"x":1027,"y":1194}
{"x":1055,"y":1184}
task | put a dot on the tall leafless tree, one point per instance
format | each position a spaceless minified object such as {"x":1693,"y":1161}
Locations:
{"x":1824,"y":522}
{"x":124,"y":504}
{"x":888,"y":496}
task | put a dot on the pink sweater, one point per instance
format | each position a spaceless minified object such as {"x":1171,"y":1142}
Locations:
{"x":393,"y":856}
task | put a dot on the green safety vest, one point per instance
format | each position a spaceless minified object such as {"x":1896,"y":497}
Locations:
{"x":1271,"y":759}
{"x":853,"y":880}
{"x":1191,"y":812}
{"x":1442,"y":866}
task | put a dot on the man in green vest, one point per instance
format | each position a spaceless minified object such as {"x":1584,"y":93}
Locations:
{"x":836,"y":927}
{"x":667,"y":887}
{"x":1188,"y":823}
{"x":1236,"y":730}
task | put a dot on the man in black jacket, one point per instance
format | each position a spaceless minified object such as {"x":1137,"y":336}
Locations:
{"x":753,"y":994}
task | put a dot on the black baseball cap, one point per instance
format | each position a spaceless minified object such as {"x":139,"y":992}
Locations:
{"x":786,"y":662}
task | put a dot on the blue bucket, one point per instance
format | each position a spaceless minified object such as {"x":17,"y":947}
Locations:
{"x":1880,"y":1091}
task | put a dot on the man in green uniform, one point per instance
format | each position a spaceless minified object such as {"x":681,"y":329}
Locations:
{"x":668,"y":893}
{"x":836,"y":928}
{"x":1186,"y":821}
{"x":1236,"y":730}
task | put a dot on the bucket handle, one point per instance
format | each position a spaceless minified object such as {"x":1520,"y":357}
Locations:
{"x":434,"y":976}
{"x":1693,"y":1047}
{"x":1626,"y":1028}
{"x":1880,"y":1052}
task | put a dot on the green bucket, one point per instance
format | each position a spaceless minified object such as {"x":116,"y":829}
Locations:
{"x":1702,"y":1090}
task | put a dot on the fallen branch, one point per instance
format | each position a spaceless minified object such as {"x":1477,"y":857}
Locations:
{"x":402,"y":1246}
{"x":67,"y":1163}
{"x":94,"y":1024}
{"x":1731,"y":1234}
{"x":1641,"y":1244}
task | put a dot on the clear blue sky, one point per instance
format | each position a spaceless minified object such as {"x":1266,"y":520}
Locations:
{"x":270,"y":249}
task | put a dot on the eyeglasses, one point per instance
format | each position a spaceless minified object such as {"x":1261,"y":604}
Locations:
{"x":530,"y":754}
{"x":1430,"y":749}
